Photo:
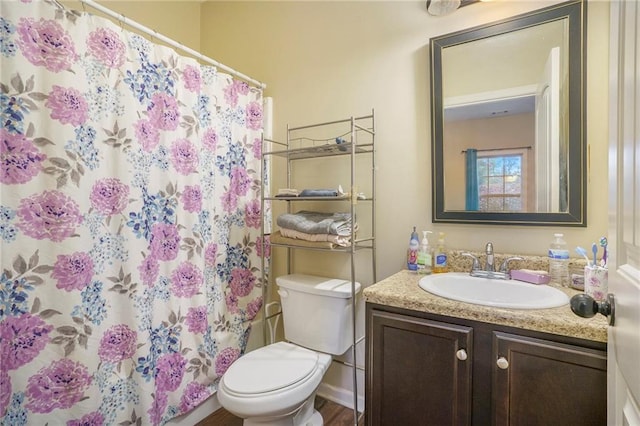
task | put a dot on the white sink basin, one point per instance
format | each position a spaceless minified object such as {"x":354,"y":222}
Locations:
{"x":490,"y":292}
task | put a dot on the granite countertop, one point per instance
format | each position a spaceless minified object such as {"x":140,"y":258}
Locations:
{"x":401,"y":290}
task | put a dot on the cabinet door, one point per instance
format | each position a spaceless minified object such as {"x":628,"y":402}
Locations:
{"x":538,"y":382}
{"x":419,"y":371}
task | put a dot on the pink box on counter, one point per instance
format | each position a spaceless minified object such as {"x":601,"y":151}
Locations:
{"x":530,"y":276}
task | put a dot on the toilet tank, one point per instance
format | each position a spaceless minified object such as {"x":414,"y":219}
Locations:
{"x":316,"y":312}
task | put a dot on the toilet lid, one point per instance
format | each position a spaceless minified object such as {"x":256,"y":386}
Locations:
{"x":270,"y":368}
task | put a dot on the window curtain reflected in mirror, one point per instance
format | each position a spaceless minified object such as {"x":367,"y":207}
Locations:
{"x":471,"y":191}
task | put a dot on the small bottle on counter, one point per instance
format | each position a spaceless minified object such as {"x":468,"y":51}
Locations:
{"x":412,"y":251}
{"x":559,"y":260}
{"x":424,"y":255}
{"x":440,"y":264}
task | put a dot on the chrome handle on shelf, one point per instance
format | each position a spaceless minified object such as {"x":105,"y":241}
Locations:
{"x":461,"y":355}
{"x":502,"y":363}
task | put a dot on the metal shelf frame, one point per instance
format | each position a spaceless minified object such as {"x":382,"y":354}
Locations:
{"x":313,"y":150}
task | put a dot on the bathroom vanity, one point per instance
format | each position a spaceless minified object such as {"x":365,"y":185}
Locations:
{"x":431,"y":360}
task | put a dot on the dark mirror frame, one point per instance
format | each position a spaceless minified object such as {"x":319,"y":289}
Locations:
{"x":576,"y":215}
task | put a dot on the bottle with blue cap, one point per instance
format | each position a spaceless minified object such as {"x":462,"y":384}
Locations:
{"x":412,"y":251}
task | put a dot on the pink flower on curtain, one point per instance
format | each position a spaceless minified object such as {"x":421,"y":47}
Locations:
{"x":73,"y":271}
{"x":242,"y":281}
{"x":50,"y":214}
{"x":210,"y":254}
{"x":267,"y":246}
{"x":157,"y":407}
{"x":192,"y":79}
{"x":240,"y":181}
{"x":231,"y":92}
{"x":184,"y":156}
{"x":254,"y":116}
{"x":109,"y":196}
{"x":20,"y":158}
{"x":257,"y":148}
{"x":231,"y":301}
{"x":163,"y":112}
{"x":197,"y":319}
{"x":225,"y":358}
{"x":147,"y":133}
{"x":60,"y":385}
{"x":169,"y":371}
{"x":229,"y":201}
{"x":118,"y":343}
{"x":253,"y":308}
{"x":21,"y":339}
{"x":91,"y":419}
{"x":192,"y":198}
{"x":165,"y":241}
{"x":46,"y":43}
{"x":186,"y":280}
{"x":107,"y":47}
{"x":210,"y":139}
{"x":67,"y":105}
{"x":149,"y":270}
{"x":5,"y":390}
{"x":193,"y":395}
{"x":252,"y":214}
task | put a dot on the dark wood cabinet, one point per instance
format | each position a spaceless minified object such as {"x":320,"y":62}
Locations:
{"x":541,"y":382}
{"x":419,"y":380}
{"x":425,"y":369}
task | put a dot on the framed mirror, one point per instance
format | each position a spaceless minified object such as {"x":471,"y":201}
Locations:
{"x":508,"y":120}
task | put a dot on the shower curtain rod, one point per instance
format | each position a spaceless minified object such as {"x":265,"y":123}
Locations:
{"x":173,"y":43}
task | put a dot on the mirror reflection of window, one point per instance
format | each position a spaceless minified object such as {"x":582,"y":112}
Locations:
{"x":501,"y":182}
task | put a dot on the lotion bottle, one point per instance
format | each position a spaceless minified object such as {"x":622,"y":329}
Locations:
{"x":412,"y":251}
{"x":440,"y":259}
{"x":425,"y":257}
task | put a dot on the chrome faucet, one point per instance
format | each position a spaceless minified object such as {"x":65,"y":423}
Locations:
{"x":488,"y":265}
{"x":489,"y":270}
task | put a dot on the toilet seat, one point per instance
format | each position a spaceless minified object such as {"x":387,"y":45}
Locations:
{"x":270,"y":368}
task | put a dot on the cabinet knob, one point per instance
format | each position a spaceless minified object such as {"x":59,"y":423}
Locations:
{"x":502,"y":363}
{"x":461,"y":355}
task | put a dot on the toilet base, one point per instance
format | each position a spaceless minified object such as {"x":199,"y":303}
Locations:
{"x":306,"y":415}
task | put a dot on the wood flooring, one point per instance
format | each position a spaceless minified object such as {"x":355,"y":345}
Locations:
{"x":332,"y":413}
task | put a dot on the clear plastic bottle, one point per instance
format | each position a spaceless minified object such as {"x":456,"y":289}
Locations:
{"x":559,"y":260}
{"x":424,"y":255}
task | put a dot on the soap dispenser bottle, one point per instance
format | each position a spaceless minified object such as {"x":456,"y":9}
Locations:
{"x":424,"y":255}
{"x":440,"y":264}
{"x":412,"y":251}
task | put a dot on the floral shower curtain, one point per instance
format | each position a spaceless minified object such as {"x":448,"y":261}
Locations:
{"x":129,"y":222}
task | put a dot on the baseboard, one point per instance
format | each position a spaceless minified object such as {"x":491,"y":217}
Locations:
{"x":340,"y":396}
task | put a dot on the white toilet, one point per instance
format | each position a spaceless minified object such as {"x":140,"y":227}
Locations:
{"x":276,"y":384}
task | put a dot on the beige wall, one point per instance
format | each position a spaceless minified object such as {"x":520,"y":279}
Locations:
{"x":328,"y":60}
{"x":178,"y":20}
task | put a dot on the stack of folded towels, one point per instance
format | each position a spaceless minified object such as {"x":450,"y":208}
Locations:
{"x":316,"y":227}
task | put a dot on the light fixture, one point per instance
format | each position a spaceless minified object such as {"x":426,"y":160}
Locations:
{"x":445,"y":7}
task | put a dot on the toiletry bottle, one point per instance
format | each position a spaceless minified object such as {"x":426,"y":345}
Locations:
{"x":440,"y":257}
{"x":559,"y":261}
{"x":424,"y":255}
{"x":412,"y":251}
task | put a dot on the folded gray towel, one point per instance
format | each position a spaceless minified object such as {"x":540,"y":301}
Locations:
{"x":316,"y":222}
{"x":318,"y":193}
